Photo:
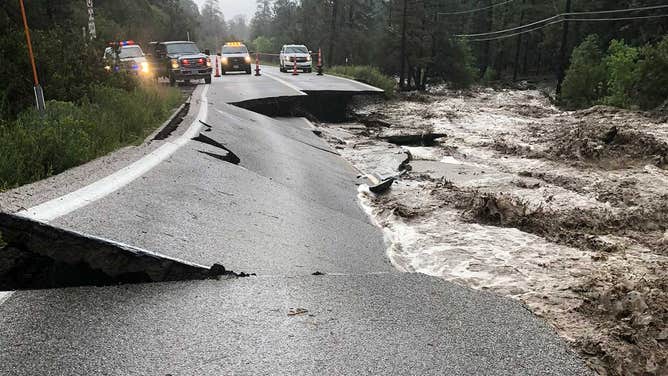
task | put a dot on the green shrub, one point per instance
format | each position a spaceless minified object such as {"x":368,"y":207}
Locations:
{"x":652,"y":74}
{"x":455,"y":64}
{"x":367,"y":74}
{"x":586,"y":77}
{"x":625,"y":76}
{"x":622,"y":69}
{"x":36,"y":146}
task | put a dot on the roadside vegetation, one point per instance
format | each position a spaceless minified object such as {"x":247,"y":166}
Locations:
{"x":89,"y":112}
{"x":35,"y":146}
{"x":368,"y":75}
{"x":621,"y":75}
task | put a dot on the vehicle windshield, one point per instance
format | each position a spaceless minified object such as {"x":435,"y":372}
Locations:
{"x":130,"y":52}
{"x":235,"y":50}
{"x":182,"y":48}
{"x":296,"y":50}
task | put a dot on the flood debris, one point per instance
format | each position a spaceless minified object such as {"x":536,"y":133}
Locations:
{"x":566,"y":212}
{"x":297,"y":311}
{"x":421,"y":139}
{"x":609,"y":148}
{"x":34,"y":255}
{"x":382,"y":186}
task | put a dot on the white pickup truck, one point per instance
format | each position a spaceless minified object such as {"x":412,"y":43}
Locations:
{"x":298,"y":52}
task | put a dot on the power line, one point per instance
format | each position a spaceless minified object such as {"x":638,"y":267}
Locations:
{"x":617,"y":18}
{"x":547,"y":22}
{"x":475,"y":10}
{"x":567,"y":20}
{"x":618,"y":10}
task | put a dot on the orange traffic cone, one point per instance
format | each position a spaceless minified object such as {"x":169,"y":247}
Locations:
{"x":217,"y":68}
{"x":294,"y":71}
{"x":257,"y":65}
{"x":319,"y":62}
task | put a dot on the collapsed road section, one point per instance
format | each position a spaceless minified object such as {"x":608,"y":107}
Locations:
{"x":328,"y":106}
{"x":34,"y":255}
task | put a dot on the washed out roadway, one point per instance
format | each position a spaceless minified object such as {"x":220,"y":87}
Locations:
{"x":286,"y":211}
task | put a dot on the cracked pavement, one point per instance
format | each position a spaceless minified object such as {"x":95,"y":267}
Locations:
{"x":288,"y":209}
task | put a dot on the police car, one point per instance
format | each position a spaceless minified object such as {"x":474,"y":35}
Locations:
{"x":235,"y":58}
{"x":126,"y":56}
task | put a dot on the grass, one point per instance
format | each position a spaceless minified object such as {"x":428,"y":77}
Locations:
{"x":36,"y":146}
{"x":367,"y":74}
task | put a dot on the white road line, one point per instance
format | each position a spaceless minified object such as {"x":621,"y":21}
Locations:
{"x":280,"y":80}
{"x":64,"y":205}
{"x":368,"y":87}
{"x":4,"y":296}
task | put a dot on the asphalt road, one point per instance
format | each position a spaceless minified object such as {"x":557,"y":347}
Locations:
{"x":286,"y":210}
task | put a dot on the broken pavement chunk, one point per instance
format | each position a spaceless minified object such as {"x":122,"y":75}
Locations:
{"x":37,"y":255}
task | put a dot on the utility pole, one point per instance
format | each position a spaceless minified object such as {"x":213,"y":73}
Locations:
{"x":402,"y":74}
{"x":39,"y":94}
{"x":561,"y":68}
{"x":332,"y":34}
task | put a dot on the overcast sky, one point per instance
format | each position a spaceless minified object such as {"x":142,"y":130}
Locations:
{"x":231,"y":8}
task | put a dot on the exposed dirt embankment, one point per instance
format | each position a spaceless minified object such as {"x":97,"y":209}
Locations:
{"x":564,"y":211}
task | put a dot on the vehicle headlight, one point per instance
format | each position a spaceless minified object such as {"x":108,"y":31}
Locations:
{"x":224,"y":60}
{"x":144,"y":67}
{"x":175,"y":64}
{"x":248,"y":59}
{"x":208,"y":62}
{"x":309,"y":58}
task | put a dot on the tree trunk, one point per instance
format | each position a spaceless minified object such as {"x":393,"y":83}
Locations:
{"x":332,"y":34}
{"x":561,"y":67}
{"x":402,"y":74}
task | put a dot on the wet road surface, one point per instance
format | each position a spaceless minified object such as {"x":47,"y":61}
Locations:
{"x":286,"y":210}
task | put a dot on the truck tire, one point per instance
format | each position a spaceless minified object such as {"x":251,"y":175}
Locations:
{"x":207,"y":80}
{"x":172,"y":80}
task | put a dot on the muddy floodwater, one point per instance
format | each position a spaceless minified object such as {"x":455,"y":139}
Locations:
{"x":566,"y":212}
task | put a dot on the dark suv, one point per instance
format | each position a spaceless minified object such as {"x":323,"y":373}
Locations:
{"x":180,"y":61}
